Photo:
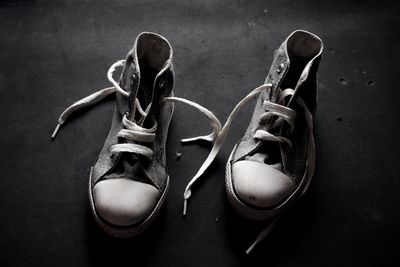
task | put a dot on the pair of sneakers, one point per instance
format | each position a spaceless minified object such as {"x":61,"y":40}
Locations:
{"x":268,"y":169}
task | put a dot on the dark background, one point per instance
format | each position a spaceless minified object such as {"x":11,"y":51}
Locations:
{"x":53,"y":54}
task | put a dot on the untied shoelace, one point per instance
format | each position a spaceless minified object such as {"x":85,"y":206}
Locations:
{"x":133,"y":131}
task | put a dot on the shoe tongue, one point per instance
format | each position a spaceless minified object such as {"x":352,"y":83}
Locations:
{"x":149,"y":93}
{"x":129,"y":82}
{"x":139,"y":86}
{"x":146,"y":120}
{"x":145,"y":96}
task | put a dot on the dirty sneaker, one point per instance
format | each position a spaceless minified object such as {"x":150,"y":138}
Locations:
{"x":129,"y":181}
{"x":274,"y":162}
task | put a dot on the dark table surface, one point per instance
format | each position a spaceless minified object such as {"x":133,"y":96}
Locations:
{"x":53,"y":54}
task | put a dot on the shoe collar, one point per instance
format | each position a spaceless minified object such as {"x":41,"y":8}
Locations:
{"x":157,"y":52}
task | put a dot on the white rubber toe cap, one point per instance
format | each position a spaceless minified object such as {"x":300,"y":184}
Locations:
{"x":124,"y":202}
{"x":260,"y":184}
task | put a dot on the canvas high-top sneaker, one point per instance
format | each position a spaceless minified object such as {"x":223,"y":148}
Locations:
{"x":129,"y":181}
{"x":273,"y":163}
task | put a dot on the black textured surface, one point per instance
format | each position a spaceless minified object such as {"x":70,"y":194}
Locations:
{"x":53,"y":54}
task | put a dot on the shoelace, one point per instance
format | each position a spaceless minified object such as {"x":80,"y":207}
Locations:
{"x":134,"y":132}
{"x":284,"y":114}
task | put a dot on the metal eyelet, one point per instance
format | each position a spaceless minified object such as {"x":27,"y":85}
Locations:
{"x":133,"y":79}
{"x":280,"y":68}
{"x":161,"y":84}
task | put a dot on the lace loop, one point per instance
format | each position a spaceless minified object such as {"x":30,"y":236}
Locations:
{"x":119,"y":63}
{"x":283,"y":113}
{"x":266,"y":136}
{"x":132,"y":148}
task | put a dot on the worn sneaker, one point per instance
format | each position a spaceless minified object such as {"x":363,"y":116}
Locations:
{"x":274,"y":162}
{"x":129,"y":182}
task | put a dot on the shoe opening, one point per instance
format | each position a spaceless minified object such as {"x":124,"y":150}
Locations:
{"x":153,"y":51}
{"x":303,"y":46}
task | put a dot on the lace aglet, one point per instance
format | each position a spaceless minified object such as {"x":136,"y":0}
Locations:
{"x":199,"y":138}
{"x":55,"y":131}
{"x":184,"y":206}
{"x":251,"y":247}
{"x":187,"y":140}
{"x":262,"y":235}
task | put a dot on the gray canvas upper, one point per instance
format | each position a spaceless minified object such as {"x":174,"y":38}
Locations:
{"x":148,"y":76}
{"x":130,"y":81}
{"x":294,"y":66}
